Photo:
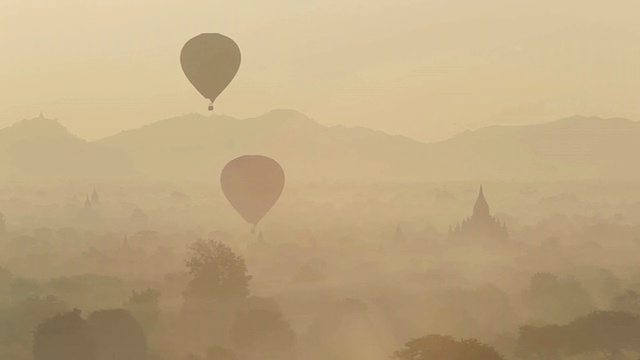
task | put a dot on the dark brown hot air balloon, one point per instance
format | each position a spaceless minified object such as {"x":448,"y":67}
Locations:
{"x":210,"y":62}
{"x":252,"y":184}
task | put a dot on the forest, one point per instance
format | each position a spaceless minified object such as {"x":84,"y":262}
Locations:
{"x":336,"y":271}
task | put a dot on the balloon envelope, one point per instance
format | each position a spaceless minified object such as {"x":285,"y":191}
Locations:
{"x":210,"y":62}
{"x":252,"y":184}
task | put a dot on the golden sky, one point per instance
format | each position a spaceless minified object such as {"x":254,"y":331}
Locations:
{"x":425,"y":69}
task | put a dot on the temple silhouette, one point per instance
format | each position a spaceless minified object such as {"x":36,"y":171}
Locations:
{"x":481,"y":226}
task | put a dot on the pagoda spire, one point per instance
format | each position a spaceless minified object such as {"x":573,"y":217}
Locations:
{"x":95,"y":198}
{"x":125,"y":243}
{"x":87,"y":203}
{"x":399,"y":236}
{"x":481,"y":208}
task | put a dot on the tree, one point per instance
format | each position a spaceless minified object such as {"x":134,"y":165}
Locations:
{"x":144,"y":306}
{"x":18,"y":322}
{"x":307,"y":274}
{"x":607,"y":332}
{"x":628,"y":302}
{"x":3,"y":225}
{"x":257,"y":302}
{"x":139,"y":217}
{"x":486,"y":305}
{"x":600,"y":281}
{"x":438,"y":347}
{"x":13,"y":352}
{"x":217,"y":289}
{"x":89,"y":290}
{"x":506,"y":343}
{"x":544,"y":343}
{"x":64,"y":337}
{"x":117,"y":335}
{"x":554,"y":300}
{"x":339,"y":330}
{"x":262,"y":331}
{"x":217,"y":272}
{"x":21,"y":289}
{"x":219,"y":353}
{"x":5,"y":278}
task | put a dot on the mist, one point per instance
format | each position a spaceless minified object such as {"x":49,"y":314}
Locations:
{"x":319,"y":180}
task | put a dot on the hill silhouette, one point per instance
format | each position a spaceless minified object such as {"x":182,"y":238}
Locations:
{"x":196,"y":147}
{"x":568,"y":149}
{"x":43,"y":149}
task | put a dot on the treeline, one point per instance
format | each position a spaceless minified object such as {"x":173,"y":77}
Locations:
{"x":218,"y":318}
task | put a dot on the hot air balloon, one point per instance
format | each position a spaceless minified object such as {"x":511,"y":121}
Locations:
{"x":210,"y":62}
{"x":252,"y":184}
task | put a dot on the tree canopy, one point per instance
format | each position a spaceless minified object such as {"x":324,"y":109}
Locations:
{"x":554,"y":299}
{"x":144,"y":306}
{"x":438,"y":347}
{"x":64,"y":337}
{"x":609,"y":333}
{"x":216,"y":271}
{"x":544,"y":343}
{"x":117,"y":335}
{"x":262,"y":331}
{"x":18,"y":322}
{"x":606,"y":332}
{"x":219,"y":353}
{"x":3,"y":225}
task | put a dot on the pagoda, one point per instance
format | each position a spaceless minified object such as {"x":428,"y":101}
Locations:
{"x":481,"y":225}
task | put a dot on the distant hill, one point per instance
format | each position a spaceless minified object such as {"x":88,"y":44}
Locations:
{"x":567,"y":149}
{"x":573,"y":148}
{"x":196,"y":147}
{"x":42,"y":149}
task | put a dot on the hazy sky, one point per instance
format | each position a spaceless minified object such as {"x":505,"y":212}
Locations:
{"x":426,"y":69}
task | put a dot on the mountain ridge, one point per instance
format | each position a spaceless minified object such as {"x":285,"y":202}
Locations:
{"x":195,"y":146}
{"x":42,"y":148}
{"x":54,"y":122}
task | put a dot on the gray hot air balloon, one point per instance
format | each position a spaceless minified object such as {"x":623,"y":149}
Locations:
{"x":210,"y":62}
{"x":252,"y":184}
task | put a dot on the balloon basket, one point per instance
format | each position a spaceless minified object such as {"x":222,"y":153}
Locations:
{"x":210,"y":107}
